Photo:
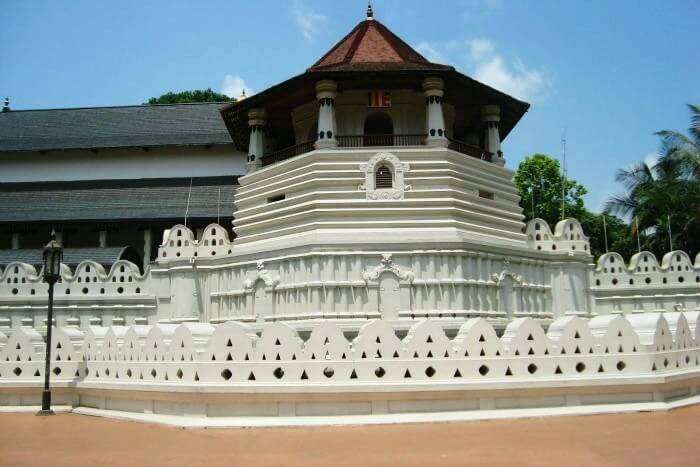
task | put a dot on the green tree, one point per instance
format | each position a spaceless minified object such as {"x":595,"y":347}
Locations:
{"x":666,"y":195}
{"x":197,"y":95}
{"x":539,"y":182}
{"x":619,"y":235}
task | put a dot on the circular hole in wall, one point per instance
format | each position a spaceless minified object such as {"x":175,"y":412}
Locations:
{"x":580,"y":367}
{"x":379,"y":372}
{"x":328,"y":372}
{"x":483,"y":370}
{"x":532,"y":368}
{"x":279,"y":373}
{"x":120,"y":290}
{"x":430,"y":372}
{"x":85,"y":290}
{"x":621,"y":365}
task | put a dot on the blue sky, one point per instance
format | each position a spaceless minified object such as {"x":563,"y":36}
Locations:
{"x":609,"y":73}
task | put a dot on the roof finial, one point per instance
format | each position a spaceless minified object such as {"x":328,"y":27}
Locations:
{"x":6,"y":105}
{"x":370,"y":13}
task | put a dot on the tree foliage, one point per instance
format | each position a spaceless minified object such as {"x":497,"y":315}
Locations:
{"x":539,"y":182}
{"x":183,"y":97}
{"x":666,"y":195}
{"x":619,"y":236}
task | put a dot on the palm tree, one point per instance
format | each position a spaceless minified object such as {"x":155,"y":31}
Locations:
{"x":666,"y":193}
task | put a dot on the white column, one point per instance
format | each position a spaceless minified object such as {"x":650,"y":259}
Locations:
{"x":256,"y":146}
{"x":15,"y":241}
{"x":103,"y":238}
{"x":325,"y":93}
{"x":435,"y":119}
{"x":147,"y":233}
{"x":491,"y":116}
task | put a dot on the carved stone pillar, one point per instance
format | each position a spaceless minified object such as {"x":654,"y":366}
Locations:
{"x":256,"y":146}
{"x":326,"y":91}
{"x":491,"y":116}
{"x":435,"y":121}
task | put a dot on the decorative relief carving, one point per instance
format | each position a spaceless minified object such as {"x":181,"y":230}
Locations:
{"x":498,"y":277}
{"x":264,"y":274}
{"x":387,"y":265}
{"x":397,"y":168}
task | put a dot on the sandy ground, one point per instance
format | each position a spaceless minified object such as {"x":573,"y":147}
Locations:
{"x":642,"y":439}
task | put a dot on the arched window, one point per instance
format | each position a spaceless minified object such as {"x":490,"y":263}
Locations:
{"x":383,"y":178}
{"x":379,"y":129}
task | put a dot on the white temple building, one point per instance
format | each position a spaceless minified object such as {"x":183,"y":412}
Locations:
{"x":376,"y":242}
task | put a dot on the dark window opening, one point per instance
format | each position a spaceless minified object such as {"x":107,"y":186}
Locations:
{"x":486,"y":194}
{"x":273,"y":199}
{"x":379,"y":130}
{"x":383,"y":178}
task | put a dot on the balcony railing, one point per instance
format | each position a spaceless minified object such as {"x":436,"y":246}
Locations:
{"x":469,"y":150}
{"x":288,"y":152}
{"x":363,"y":141}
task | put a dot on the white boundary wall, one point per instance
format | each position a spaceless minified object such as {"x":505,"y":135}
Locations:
{"x":228,"y":370}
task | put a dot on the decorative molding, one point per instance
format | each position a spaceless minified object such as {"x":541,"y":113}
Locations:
{"x":386,"y":264}
{"x":397,"y":168}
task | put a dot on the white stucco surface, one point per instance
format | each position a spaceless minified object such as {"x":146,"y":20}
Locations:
{"x":114,"y":164}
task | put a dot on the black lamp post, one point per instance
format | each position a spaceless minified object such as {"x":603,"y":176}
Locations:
{"x":53,"y":254}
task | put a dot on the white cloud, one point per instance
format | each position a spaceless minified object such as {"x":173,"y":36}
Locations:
{"x":480,"y":48}
{"x":651,"y":159}
{"x":308,"y":21}
{"x":233,"y":85}
{"x":429,"y":52}
{"x":480,"y":59}
{"x":516,"y":79}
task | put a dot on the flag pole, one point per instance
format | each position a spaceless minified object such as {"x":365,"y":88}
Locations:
{"x":605,"y":233}
{"x":670,"y":237}
{"x":639,"y":244}
{"x":563,"y":172}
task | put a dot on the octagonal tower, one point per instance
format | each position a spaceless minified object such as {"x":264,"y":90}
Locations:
{"x":377,"y":187}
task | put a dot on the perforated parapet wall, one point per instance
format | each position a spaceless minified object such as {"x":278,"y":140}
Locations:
{"x":232,"y":354}
{"x":212,"y":280}
{"x":87,"y":296}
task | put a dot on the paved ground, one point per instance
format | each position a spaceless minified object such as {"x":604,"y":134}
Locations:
{"x":655,"y":439}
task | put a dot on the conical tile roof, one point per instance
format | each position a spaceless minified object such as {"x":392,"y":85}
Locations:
{"x":372,"y":46}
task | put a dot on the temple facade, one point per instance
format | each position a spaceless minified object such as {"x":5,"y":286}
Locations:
{"x":353,"y":226}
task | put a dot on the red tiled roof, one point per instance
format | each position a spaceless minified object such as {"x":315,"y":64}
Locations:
{"x":371,"y":44}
